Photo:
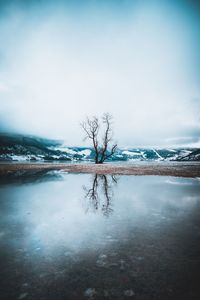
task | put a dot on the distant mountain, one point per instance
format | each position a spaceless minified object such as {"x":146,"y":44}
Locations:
{"x":15,"y":147}
{"x":193,"y":156}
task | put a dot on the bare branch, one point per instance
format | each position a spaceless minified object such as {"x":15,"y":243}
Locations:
{"x":91,"y":128}
{"x":100,"y":199}
{"x":112,"y":151}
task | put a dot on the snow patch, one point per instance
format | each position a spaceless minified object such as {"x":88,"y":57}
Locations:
{"x":159,"y":156}
{"x":85,"y":152}
{"x":129,"y":153}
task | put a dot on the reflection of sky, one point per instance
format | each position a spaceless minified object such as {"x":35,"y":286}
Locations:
{"x":50,"y":217}
{"x":140,"y":59}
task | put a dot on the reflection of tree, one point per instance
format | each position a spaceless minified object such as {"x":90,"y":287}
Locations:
{"x":100,"y":195}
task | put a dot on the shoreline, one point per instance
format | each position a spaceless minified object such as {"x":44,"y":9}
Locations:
{"x":186,"y":169}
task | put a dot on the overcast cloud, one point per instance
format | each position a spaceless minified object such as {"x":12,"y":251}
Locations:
{"x":138,"y":60}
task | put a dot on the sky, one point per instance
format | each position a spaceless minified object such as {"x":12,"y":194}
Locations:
{"x":139,"y":60}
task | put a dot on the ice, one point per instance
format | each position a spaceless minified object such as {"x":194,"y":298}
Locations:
{"x":22,"y":296}
{"x":90,"y":292}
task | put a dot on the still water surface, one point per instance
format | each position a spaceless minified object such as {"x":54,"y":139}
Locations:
{"x":77,"y":236}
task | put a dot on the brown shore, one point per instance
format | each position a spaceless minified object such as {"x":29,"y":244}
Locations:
{"x":178,"y":169}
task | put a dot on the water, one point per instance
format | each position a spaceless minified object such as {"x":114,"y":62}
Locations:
{"x":66,"y":236}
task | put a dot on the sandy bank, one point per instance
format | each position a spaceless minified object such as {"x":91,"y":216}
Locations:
{"x":189,"y":169}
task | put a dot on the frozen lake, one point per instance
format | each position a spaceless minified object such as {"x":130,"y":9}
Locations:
{"x":72,"y":236}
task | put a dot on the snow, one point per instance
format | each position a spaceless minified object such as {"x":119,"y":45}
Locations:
{"x":70,"y":151}
{"x":119,"y":155}
{"x":85,"y":152}
{"x":143,"y":154}
{"x":63,"y":149}
{"x":129,"y":153}
{"x":20,"y":157}
{"x":157,"y":154}
{"x":66,"y":150}
{"x":171,"y":150}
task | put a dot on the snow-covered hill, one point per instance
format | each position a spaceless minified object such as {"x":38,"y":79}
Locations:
{"x":29,"y":148}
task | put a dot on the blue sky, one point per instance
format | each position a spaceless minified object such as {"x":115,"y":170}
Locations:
{"x":139,"y":60}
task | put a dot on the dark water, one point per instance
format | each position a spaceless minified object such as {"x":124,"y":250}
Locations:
{"x":65,"y":236}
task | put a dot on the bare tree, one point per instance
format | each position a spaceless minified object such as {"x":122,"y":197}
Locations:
{"x":100,"y":194}
{"x":92,"y":193}
{"x":91,"y":127}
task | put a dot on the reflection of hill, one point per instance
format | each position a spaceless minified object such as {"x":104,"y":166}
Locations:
{"x":21,"y":177}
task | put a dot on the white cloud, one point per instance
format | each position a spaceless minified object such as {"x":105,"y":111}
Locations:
{"x":66,"y":66}
{"x":3,"y":87}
